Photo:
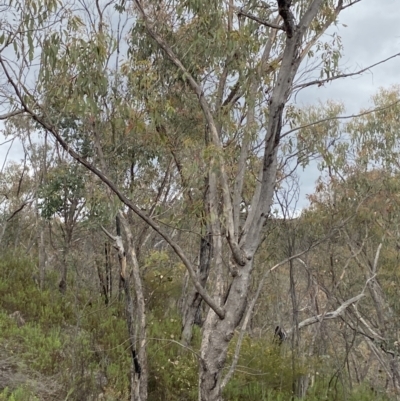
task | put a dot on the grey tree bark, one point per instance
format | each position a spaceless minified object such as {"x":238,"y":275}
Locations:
{"x":140,"y":357}
{"x":138,"y":372}
{"x":191,"y":313}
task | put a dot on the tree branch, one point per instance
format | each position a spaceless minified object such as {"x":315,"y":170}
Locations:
{"x":109,"y":235}
{"x":329,"y":315}
{"x":350,"y":4}
{"x":233,"y":95}
{"x":259,"y":20}
{"x":17,"y":210}
{"x":376,"y":110}
{"x":263,"y":195}
{"x":11,"y":114}
{"x":287,"y":16}
{"x":320,"y":82}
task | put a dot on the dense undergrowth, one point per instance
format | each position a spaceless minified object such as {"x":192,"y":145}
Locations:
{"x":73,"y":347}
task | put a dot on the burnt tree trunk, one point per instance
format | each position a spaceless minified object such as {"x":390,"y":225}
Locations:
{"x":192,"y":304}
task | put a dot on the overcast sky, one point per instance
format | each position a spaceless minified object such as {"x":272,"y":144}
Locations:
{"x":372,"y":33}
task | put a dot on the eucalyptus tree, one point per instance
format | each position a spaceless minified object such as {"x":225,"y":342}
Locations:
{"x":17,"y":194}
{"x":206,"y":84}
{"x":63,"y":197}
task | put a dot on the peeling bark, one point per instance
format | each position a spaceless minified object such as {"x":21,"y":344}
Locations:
{"x":218,"y":333}
{"x":139,"y":372}
{"x":192,"y":307}
{"x":139,"y":358}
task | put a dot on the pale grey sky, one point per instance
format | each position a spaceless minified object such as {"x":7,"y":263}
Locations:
{"x":372,"y":33}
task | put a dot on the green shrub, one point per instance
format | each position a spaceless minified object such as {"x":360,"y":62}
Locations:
{"x":75,"y":337}
{"x":20,"y":394}
{"x":172,"y":368}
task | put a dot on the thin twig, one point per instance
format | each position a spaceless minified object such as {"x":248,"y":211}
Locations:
{"x":11,"y":114}
{"x":320,"y":82}
{"x":375,"y":110}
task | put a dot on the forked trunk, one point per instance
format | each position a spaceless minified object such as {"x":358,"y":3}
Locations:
{"x":217,"y":334}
